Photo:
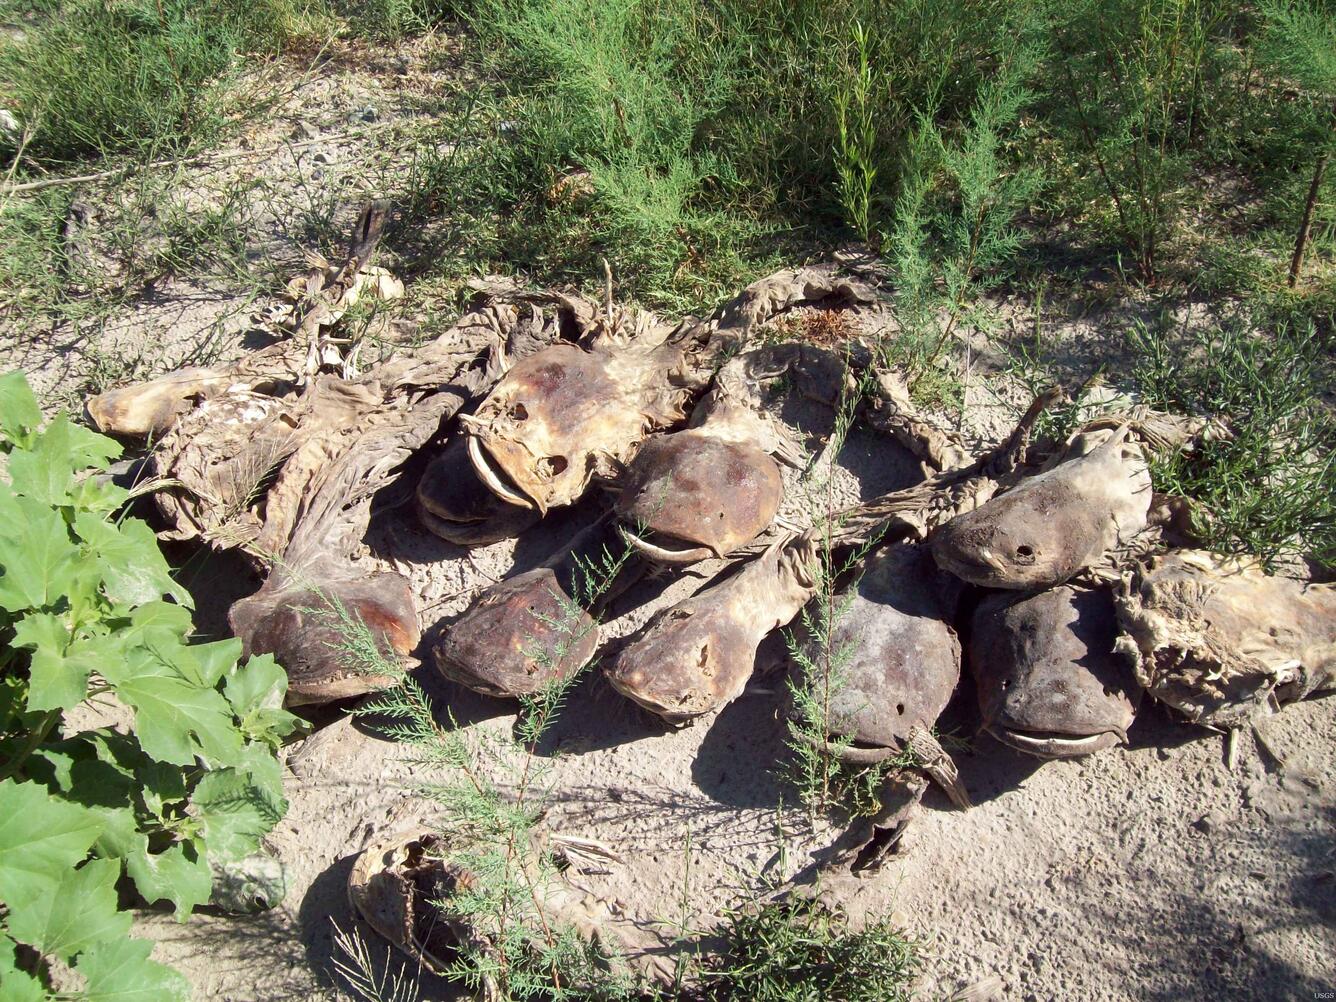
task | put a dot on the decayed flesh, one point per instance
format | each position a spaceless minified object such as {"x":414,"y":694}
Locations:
{"x":151,"y":408}
{"x":1221,"y":641}
{"x":308,"y":628}
{"x":455,"y":505}
{"x":529,"y":631}
{"x":567,"y":414}
{"x":691,"y":494}
{"x":393,"y":886}
{"x":1048,"y":678}
{"x":898,"y":657}
{"x":404,"y":883}
{"x":1054,"y":524}
{"x":697,"y":655}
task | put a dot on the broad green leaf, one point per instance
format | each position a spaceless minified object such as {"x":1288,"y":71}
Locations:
{"x":46,"y":469}
{"x":235,"y":812}
{"x":16,"y":985}
{"x":176,"y":719}
{"x":53,"y":762}
{"x":41,"y":839}
{"x":133,"y":569}
{"x":159,"y":623}
{"x":58,"y":678}
{"x":37,"y":559}
{"x":120,"y":971}
{"x":172,"y":876}
{"x":256,"y":691}
{"x":160,"y":784}
{"x":216,"y":659}
{"x":19,"y":414}
{"x":79,"y":912}
{"x":107,"y":791}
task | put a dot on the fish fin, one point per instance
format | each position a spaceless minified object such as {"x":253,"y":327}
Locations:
{"x":938,"y":765}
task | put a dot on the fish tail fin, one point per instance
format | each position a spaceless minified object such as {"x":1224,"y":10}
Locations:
{"x":938,"y":765}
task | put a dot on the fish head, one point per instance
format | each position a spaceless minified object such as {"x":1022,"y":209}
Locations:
{"x":309,"y":632}
{"x":1049,"y":680}
{"x":1034,"y":536}
{"x":541,"y":433}
{"x":454,"y":504}
{"x":898,"y":656}
{"x":520,"y":636}
{"x":690,"y":495}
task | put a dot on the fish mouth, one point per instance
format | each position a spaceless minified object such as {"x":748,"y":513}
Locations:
{"x":984,"y":568}
{"x":498,"y":481}
{"x":662,"y":549}
{"x":677,"y":716}
{"x":479,"y":531}
{"x":1051,"y":744}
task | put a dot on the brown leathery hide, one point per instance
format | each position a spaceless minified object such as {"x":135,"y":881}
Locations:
{"x":1221,"y":641}
{"x":567,"y":414}
{"x":696,"y":656}
{"x":307,"y":628}
{"x":1055,"y":523}
{"x":897,"y":656}
{"x":1048,"y":678}
{"x":528,"y":631}
{"x":690,"y":495}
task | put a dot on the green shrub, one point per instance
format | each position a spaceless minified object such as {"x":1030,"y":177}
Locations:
{"x":1270,"y":487}
{"x":88,"y":611}
{"x":799,"y":951}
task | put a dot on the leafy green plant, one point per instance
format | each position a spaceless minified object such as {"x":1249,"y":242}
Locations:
{"x":90,"y":614}
{"x":1299,"y":42}
{"x":92,"y":77}
{"x":1133,"y":79}
{"x":955,"y":220}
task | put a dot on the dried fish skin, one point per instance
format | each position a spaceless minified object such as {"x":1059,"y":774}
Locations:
{"x":1222,"y":641}
{"x":1054,"y":524}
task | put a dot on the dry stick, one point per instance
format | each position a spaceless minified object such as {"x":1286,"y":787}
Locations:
{"x":1306,"y":224}
{"x":199,"y":158}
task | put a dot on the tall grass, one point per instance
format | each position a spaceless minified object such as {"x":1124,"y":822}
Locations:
{"x":93,"y":77}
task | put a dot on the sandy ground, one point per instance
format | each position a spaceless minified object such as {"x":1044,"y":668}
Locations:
{"x":1146,"y":873}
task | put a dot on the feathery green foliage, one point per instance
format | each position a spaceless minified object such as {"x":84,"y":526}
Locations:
{"x":1269,"y":487}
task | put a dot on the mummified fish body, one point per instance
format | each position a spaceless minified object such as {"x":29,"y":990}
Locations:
{"x":1048,"y":678}
{"x":691,"y":495}
{"x":310,"y":628}
{"x":1220,"y":640}
{"x":697,"y":655}
{"x":1054,"y":524}
{"x":893,"y":652}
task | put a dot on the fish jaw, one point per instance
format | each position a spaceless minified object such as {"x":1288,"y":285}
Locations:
{"x":457,"y":506}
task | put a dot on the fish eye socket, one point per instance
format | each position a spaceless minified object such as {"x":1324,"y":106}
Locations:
{"x":1024,"y":552}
